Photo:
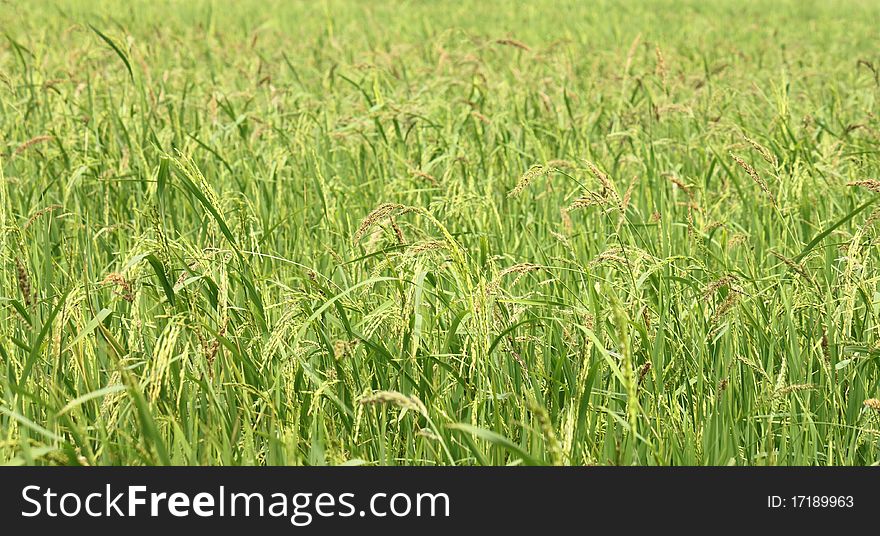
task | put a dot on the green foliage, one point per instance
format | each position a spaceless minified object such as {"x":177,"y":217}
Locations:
{"x":439,"y":233}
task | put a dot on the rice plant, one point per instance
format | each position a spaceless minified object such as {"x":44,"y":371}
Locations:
{"x":439,"y":233}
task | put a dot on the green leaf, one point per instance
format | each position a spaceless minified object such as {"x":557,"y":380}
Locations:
{"x":35,"y":348}
{"x":159,"y":268}
{"x":90,"y":327}
{"x":497,"y":440}
{"x":821,"y":236}
{"x":29,"y":424}
{"x":116,"y":49}
{"x":110,"y":389}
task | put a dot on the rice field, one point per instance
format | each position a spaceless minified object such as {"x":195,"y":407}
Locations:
{"x":439,"y":233}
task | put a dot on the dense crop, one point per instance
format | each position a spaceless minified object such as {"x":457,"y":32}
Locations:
{"x":439,"y":233}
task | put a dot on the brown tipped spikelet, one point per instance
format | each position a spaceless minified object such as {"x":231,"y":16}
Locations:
{"x":343,"y":348}
{"x":872,"y":218}
{"x":607,"y":197}
{"x":31,"y":142}
{"x":793,"y":389}
{"x":379,"y":213}
{"x":36,"y":215}
{"x":763,"y":151}
{"x":340,"y":349}
{"x":428,"y":245}
{"x":608,"y":189}
{"x":518,"y":269}
{"x":584,"y":201}
{"x":398,"y":233}
{"x":627,"y":196}
{"x":870,"y":184}
{"x":24,"y":283}
{"x":755,"y":177}
{"x":481,"y":117}
{"x":533,"y":173}
{"x":718,"y":284}
{"x":567,"y":224}
{"x":726,"y":306}
{"x":661,"y":65}
{"x":211,"y":351}
{"x":560,"y":164}
{"x":123,"y":289}
{"x":521,"y":268}
{"x":801,"y":271}
{"x":424,"y":176}
{"x":214,"y":347}
{"x":646,"y":368}
{"x":513,"y":43}
{"x":613,"y":254}
{"x":393,"y":397}
{"x":872,"y":404}
{"x":681,"y":185}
